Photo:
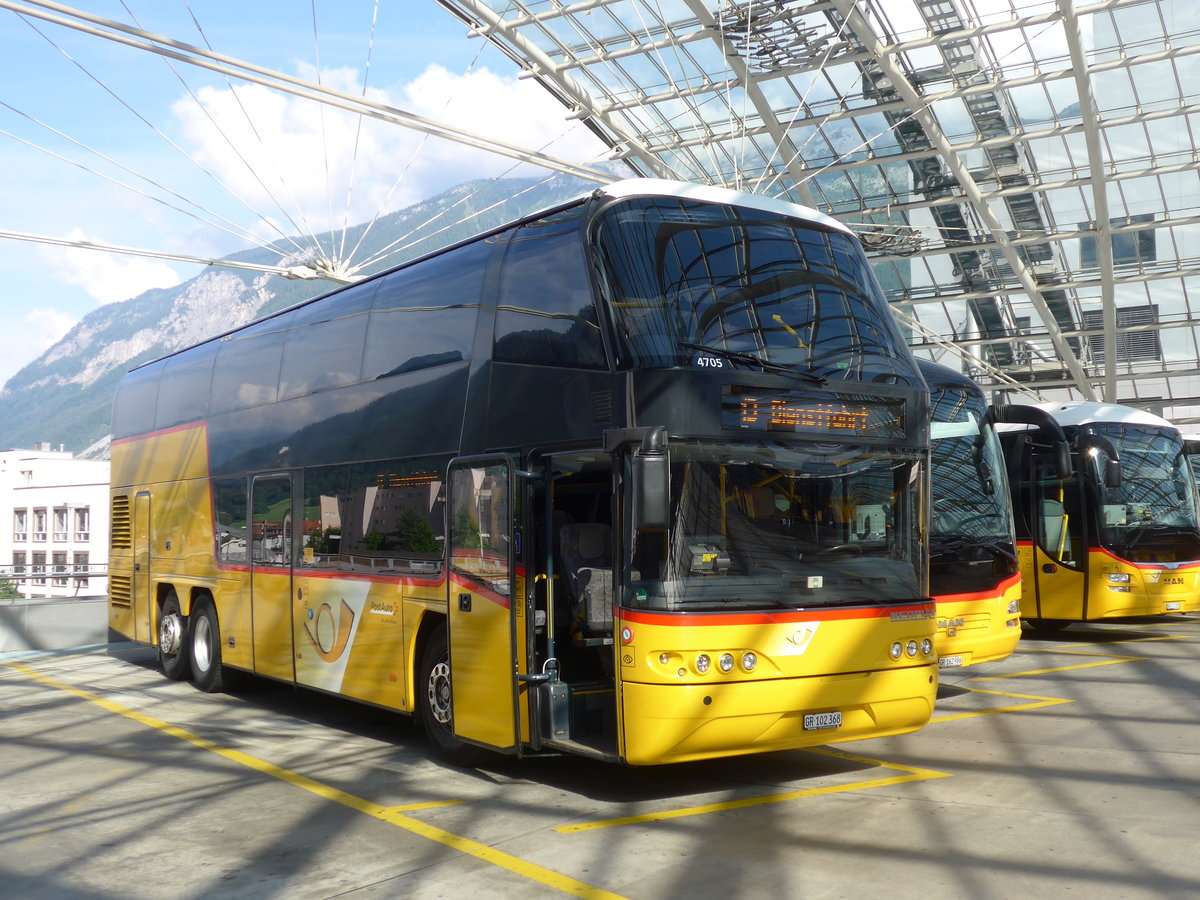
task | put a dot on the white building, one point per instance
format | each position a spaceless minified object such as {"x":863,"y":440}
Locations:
{"x":53,"y":523}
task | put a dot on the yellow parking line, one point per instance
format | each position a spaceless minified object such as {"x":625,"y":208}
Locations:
{"x":1038,"y":703}
{"x":393,"y":815}
{"x":914,"y":774}
{"x":1090,"y":665}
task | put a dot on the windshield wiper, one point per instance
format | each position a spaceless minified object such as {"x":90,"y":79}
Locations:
{"x":751,"y":360}
{"x":942,"y":544}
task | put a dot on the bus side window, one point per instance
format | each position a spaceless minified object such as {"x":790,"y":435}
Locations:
{"x":324,"y":346}
{"x":247,"y":368}
{"x":381,"y":517}
{"x":546,"y":315}
{"x":425,"y":316}
{"x":229,"y":511}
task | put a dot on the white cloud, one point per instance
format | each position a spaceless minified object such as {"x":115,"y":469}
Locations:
{"x":307,"y":167}
{"x":106,"y":277}
{"x":46,"y":327}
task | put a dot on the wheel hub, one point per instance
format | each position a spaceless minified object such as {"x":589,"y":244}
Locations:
{"x":439,"y":692}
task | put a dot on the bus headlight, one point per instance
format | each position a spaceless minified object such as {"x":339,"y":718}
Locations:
{"x":926,"y":647}
{"x":703,"y":663}
{"x":897,"y":650}
{"x":1014,"y":607}
{"x":749,"y":661}
{"x":911,"y":648}
{"x":1118,"y":578}
{"x":726,"y":662}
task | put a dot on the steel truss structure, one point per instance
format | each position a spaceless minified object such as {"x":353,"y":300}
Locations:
{"x":1024,"y":174}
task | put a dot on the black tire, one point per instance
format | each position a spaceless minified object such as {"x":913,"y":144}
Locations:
{"x":204,"y":647}
{"x":173,"y":635}
{"x":434,"y":702}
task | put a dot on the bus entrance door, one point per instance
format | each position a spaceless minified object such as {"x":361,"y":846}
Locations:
{"x":481,"y":598}
{"x":1059,"y":578}
{"x":271,"y":574}
{"x":142,"y":627}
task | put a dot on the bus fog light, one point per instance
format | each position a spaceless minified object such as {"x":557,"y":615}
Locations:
{"x":897,"y":650}
{"x":1120,"y":588}
{"x":702,"y":663}
{"x":911,"y":648}
{"x":664,"y":658}
{"x":749,"y":661}
{"x":926,"y":647}
{"x":726,"y":662}
{"x":1118,"y":578}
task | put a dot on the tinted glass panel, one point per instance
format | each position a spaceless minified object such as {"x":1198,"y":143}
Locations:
{"x":137,"y":397}
{"x":384,"y":517}
{"x":271,"y":538}
{"x":247,"y":370}
{"x":183,"y":390}
{"x":546,"y":314}
{"x":229,"y":506}
{"x":479,"y":526}
{"x":425,"y":315}
{"x":324,"y":345}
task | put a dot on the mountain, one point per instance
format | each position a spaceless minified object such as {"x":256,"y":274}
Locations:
{"x":65,"y":395}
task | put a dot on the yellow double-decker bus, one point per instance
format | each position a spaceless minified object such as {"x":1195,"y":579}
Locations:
{"x":642,"y":477}
{"x":1120,"y":535}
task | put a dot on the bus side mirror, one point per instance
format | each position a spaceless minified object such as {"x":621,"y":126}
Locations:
{"x":1062,"y":460}
{"x":652,"y":482}
{"x":1112,"y":473}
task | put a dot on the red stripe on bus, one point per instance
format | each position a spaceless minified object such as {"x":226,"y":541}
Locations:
{"x":154,"y":434}
{"x":997,"y":591}
{"x":1175,"y":567}
{"x":646,"y":617}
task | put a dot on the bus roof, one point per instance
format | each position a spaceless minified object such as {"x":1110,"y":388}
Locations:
{"x":1087,"y":412}
{"x":661,"y":187}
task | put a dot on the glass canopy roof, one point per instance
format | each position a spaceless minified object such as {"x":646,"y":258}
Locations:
{"x":1025,"y":175}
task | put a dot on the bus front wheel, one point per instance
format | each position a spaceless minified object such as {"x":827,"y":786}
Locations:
{"x":434,"y":699}
{"x":204,"y":644}
{"x":172,"y":639}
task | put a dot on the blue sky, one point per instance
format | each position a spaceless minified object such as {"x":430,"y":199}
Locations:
{"x":76,"y":109}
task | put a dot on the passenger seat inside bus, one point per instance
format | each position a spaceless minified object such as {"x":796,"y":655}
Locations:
{"x":587,"y":570}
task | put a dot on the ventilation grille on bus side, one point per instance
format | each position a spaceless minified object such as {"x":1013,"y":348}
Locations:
{"x":120,"y":591}
{"x":602,"y":406}
{"x":122,"y":531}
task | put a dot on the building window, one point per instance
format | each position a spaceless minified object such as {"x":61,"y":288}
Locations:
{"x":60,"y":568}
{"x":83,"y":524}
{"x":18,"y":567}
{"x":39,"y":568}
{"x":20,"y":524}
{"x":39,"y":525}
{"x":60,"y":524}
{"x":80,"y":565}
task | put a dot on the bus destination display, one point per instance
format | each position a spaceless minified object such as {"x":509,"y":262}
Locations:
{"x":802,"y":412}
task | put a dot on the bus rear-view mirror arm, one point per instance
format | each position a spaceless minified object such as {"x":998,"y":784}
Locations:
{"x":651,"y":475}
{"x":1048,"y":428}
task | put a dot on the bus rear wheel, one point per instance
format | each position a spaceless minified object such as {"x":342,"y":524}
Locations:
{"x":204,"y":645}
{"x":173,"y":639}
{"x":434,"y":700}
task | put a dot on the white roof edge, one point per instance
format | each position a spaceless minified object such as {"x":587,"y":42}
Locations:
{"x":1084,"y":412}
{"x":635,"y":187}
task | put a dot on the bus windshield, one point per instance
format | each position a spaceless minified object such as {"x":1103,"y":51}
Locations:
{"x":971,"y":517}
{"x":695,"y":284}
{"x":1155,"y":504}
{"x":766,"y":525}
